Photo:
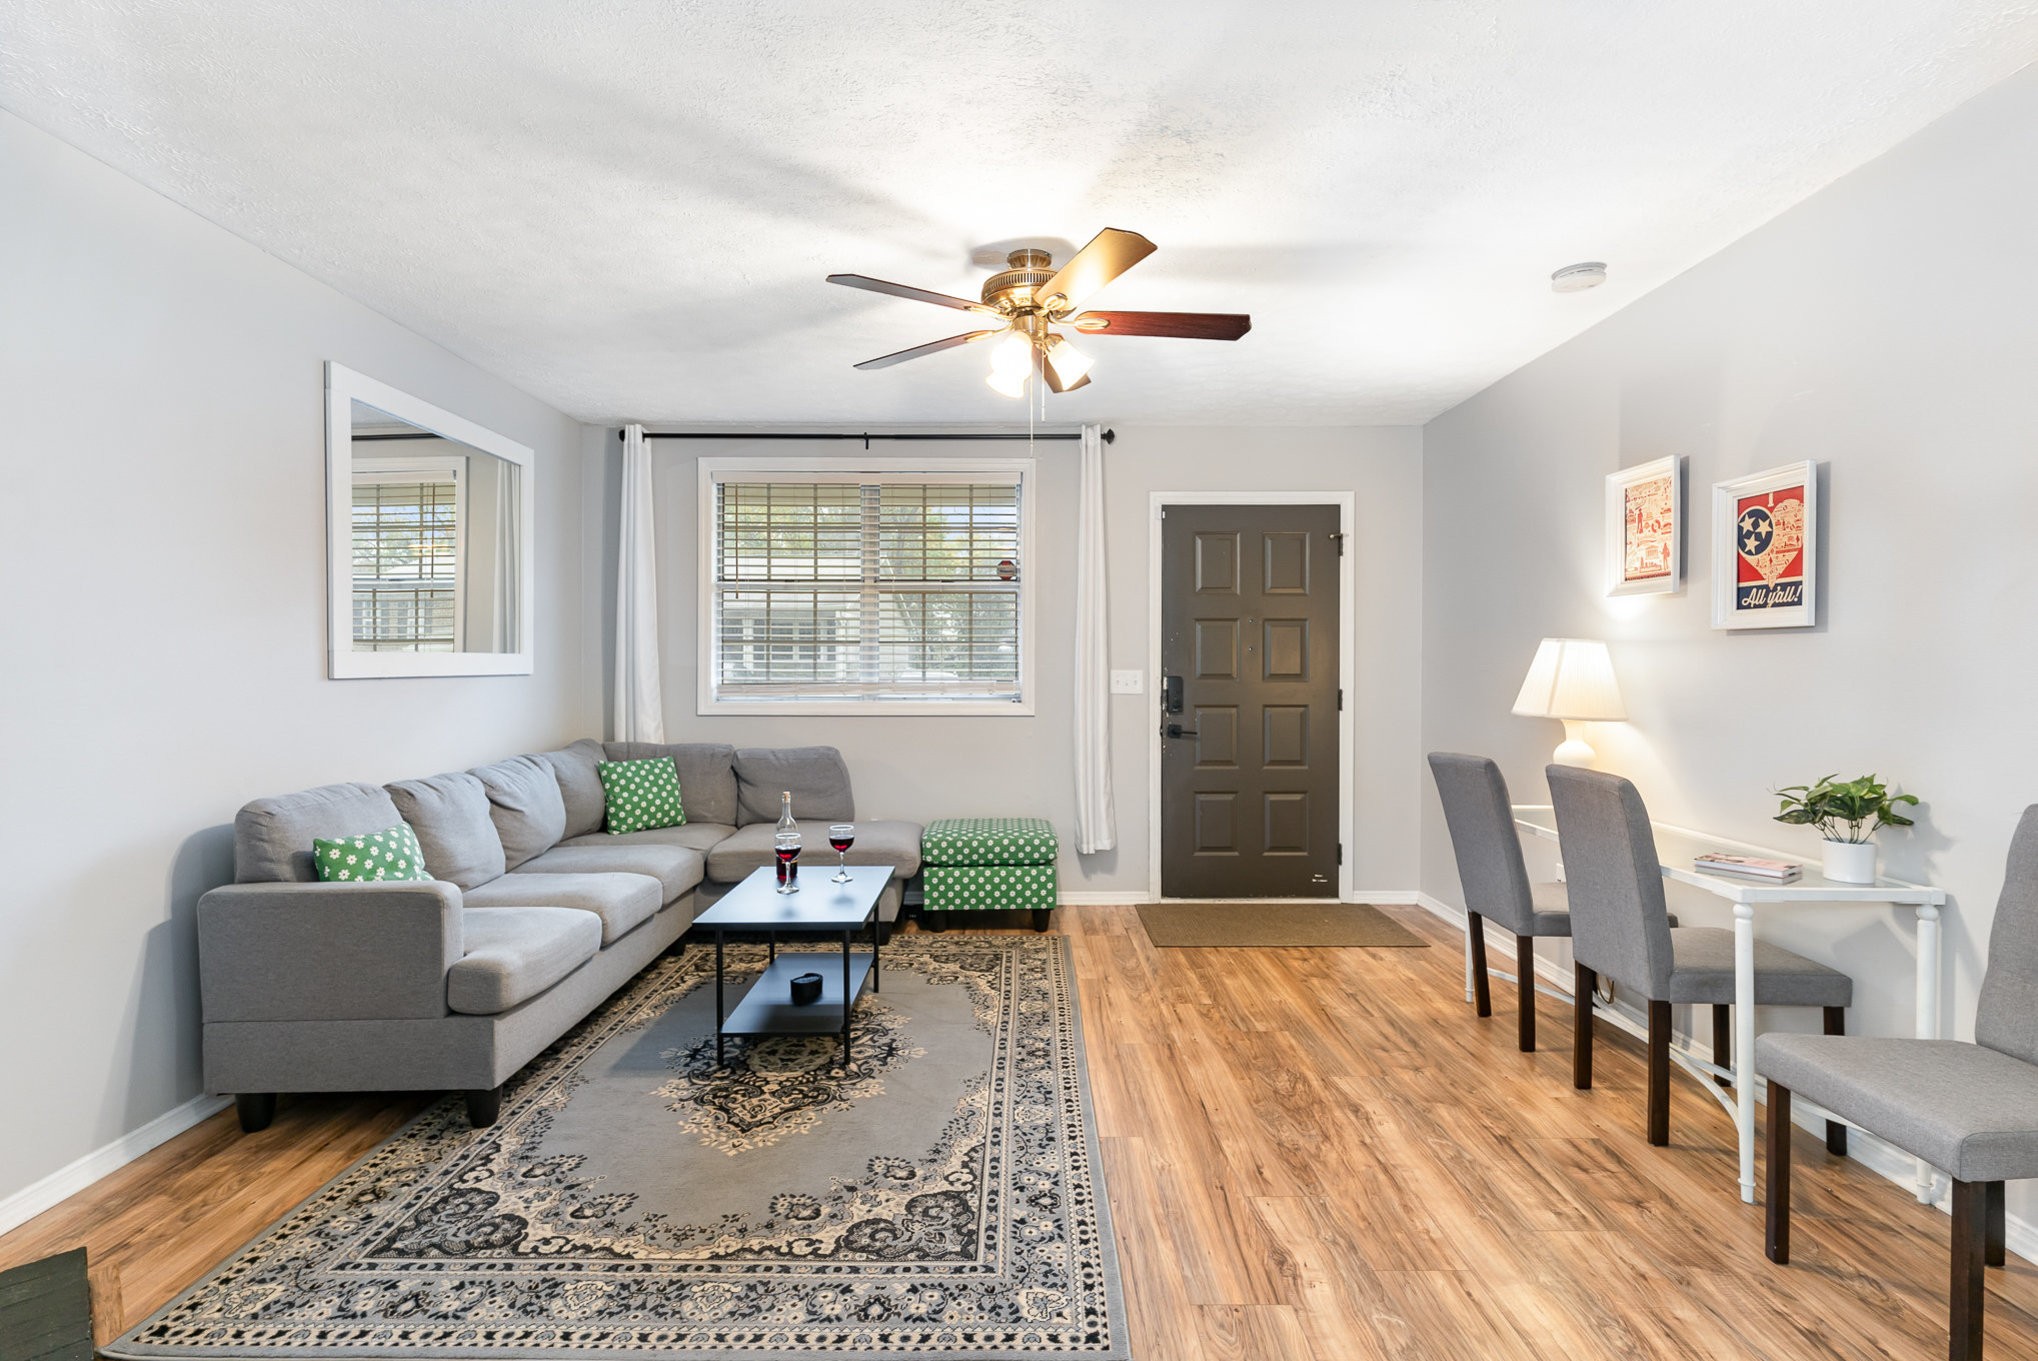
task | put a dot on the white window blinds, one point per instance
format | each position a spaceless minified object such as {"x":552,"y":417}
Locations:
{"x":883,"y":587}
{"x":406,"y":533}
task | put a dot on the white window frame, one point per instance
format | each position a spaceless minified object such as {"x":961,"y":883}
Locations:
{"x":821,"y":468}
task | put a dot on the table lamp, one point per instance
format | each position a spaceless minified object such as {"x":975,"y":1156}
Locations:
{"x":1571,"y":679}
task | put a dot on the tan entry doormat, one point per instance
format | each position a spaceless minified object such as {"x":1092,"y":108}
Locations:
{"x":1262,"y":925}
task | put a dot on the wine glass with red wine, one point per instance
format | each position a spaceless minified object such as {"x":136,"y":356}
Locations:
{"x":841,"y":836}
{"x":786,"y":846}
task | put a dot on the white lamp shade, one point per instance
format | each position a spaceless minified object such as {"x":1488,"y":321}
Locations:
{"x":1571,"y":678}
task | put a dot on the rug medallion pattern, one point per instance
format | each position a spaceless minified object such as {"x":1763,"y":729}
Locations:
{"x":938,"y":1197}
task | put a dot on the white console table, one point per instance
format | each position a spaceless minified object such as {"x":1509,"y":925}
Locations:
{"x":1676,"y":847}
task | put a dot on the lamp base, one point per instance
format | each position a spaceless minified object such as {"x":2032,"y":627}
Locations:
{"x":1573,"y":750}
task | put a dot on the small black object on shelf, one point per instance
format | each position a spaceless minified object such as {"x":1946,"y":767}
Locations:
{"x":806,"y":989}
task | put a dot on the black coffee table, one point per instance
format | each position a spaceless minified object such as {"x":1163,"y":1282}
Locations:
{"x":820,"y":906}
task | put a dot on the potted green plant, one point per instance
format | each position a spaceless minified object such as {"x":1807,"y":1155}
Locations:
{"x":1847,"y":813}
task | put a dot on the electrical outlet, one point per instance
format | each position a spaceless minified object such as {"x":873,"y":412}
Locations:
{"x":1128,"y":682}
{"x":1560,"y":871}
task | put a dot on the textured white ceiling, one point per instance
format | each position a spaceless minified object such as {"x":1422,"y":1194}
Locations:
{"x":626,"y":207}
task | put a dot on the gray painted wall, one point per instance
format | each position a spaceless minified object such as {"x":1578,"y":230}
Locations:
{"x":162,"y":534}
{"x":920,"y":768}
{"x":1884,"y":328}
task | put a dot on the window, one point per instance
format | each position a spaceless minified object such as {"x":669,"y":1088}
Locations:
{"x":407,"y":530}
{"x":865,"y":592}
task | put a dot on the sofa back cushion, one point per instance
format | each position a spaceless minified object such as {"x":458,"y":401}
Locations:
{"x":272,"y":837}
{"x":526,"y":806}
{"x":579,"y":784}
{"x":818,"y":779}
{"x":707,"y":775}
{"x":450,"y":815}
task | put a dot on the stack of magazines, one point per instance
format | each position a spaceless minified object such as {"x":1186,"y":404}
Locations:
{"x":1748,"y":867}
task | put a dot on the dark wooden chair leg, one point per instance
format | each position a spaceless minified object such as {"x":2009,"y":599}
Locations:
{"x":1836,"y":1133}
{"x":1525,"y":984}
{"x":1482,"y":991}
{"x":1996,"y":1225}
{"x":1722,"y":1039}
{"x":1583,"y":983}
{"x":1777,"y":1198}
{"x":256,"y":1110}
{"x":484,"y":1104}
{"x":1659,"y":1073}
{"x":1969,"y":1249}
{"x":1043,"y":917}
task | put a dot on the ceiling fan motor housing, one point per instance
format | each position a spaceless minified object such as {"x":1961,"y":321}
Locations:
{"x":1014,"y":286}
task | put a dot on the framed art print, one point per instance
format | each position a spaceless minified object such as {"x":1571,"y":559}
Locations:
{"x":1645,"y":529}
{"x":1766,"y":549}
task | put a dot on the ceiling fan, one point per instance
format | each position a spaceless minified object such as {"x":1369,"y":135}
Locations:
{"x":1030,"y":297}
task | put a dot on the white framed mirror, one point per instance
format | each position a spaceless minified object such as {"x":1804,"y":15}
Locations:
{"x":429,"y":538}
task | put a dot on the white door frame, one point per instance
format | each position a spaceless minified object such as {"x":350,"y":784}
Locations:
{"x":1347,"y":659}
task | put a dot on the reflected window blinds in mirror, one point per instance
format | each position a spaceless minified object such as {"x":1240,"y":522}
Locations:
{"x":429,"y":524}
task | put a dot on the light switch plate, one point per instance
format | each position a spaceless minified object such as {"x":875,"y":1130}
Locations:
{"x":1128,"y":682}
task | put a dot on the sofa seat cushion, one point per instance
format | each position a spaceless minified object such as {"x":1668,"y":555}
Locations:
{"x":815,"y":777}
{"x":676,"y":868}
{"x":450,"y":815}
{"x":272,"y":837}
{"x":877,"y":843}
{"x":624,"y":902}
{"x":515,"y":953}
{"x":525,"y":804}
{"x":695,"y":836}
{"x":989,"y":841}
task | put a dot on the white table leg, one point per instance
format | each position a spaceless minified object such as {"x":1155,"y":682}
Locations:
{"x":1744,"y":1043}
{"x":1927,"y":1027}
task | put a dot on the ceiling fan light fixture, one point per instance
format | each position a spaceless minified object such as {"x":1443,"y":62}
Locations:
{"x":1068,"y":362}
{"x":1012,"y":354}
{"x":1007,"y":384}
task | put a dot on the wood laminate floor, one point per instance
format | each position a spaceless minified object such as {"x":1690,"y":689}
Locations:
{"x":1312,"y":1155}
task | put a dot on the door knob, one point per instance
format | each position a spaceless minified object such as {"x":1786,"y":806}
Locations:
{"x":1176,"y":730}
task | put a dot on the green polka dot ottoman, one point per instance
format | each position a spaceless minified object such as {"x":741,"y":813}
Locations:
{"x":987,"y":865}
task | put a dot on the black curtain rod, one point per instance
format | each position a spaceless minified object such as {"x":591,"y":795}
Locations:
{"x":866,"y":437}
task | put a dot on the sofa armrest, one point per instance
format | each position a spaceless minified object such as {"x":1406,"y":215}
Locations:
{"x":327,"y":952}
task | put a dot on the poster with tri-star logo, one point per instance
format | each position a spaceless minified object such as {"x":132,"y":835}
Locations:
{"x":1765,"y":555}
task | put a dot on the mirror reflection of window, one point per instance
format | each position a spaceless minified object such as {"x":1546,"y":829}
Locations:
{"x":433,"y":528}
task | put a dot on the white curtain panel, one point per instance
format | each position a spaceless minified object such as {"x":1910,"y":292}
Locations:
{"x":640,"y":705}
{"x":1096,"y":821}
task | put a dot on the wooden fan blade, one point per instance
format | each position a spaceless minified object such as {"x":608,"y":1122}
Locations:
{"x":870,"y":285}
{"x":1182,"y":325}
{"x":1110,"y":253}
{"x":885,"y":361}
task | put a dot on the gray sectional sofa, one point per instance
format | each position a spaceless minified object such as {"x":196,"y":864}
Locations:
{"x":534,"y":915}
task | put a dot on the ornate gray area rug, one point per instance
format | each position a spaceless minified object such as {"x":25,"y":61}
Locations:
{"x":940,"y":1197}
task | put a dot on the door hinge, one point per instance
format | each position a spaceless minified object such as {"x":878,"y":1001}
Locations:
{"x":1340,"y":852}
{"x":1340,"y":699}
{"x":1339,"y":540}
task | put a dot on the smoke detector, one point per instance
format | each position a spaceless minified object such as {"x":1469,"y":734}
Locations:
{"x":1579,"y":277}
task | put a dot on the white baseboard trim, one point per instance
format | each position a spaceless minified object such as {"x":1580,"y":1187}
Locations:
{"x":65,"y":1182}
{"x":2020,"y":1236}
{"x":1385,"y":897}
{"x":1129,"y":897}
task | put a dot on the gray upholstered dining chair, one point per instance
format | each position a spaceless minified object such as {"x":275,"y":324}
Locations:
{"x":1620,"y":927}
{"x":1969,"y":1109}
{"x":1495,"y":880}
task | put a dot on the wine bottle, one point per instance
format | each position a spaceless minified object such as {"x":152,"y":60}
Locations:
{"x":788,"y":833}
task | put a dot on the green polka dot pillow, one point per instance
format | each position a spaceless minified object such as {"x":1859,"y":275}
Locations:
{"x":387,"y":855}
{"x":641,"y":794}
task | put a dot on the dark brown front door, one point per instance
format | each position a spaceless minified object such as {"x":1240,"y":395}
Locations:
{"x":1249,"y":652}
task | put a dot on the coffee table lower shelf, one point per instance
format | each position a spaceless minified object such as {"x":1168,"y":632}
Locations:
{"x":768,"y":1009}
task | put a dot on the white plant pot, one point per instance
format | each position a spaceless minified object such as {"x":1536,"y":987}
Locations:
{"x":1850,"y":862}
